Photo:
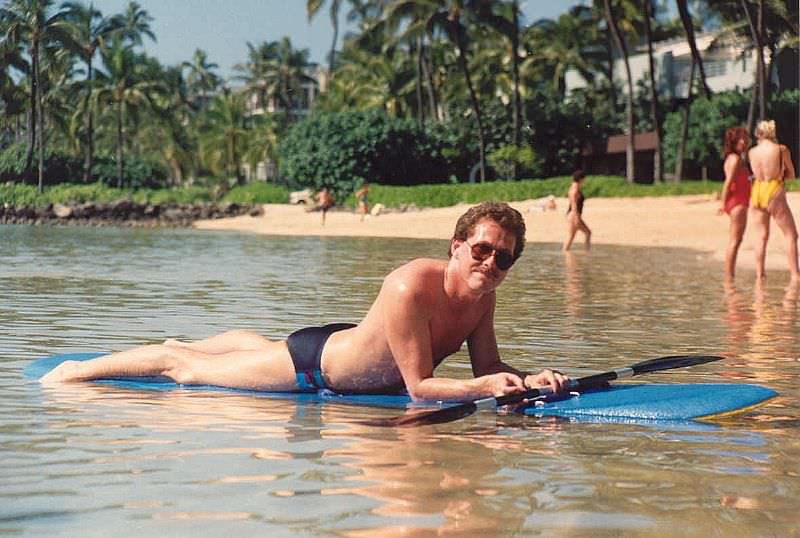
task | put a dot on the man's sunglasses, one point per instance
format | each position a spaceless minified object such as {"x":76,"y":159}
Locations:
{"x":504,"y":259}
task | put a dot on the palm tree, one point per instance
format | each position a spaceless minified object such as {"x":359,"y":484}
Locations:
{"x":769,"y":24}
{"x":276,"y":71}
{"x":654,"y":105}
{"x":630,"y":149}
{"x":201,"y":78}
{"x":312,"y":8}
{"x":688,"y":26}
{"x":261,"y":143}
{"x":133,"y":24}
{"x":288,"y":75}
{"x":449,"y":17}
{"x":127,"y":88}
{"x":223,"y":135}
{"x":30,"y":22}
{"x":89,"y":30}
{"x":561,"y":45}
{"x":13,"y":95}
{"x":503,"y":17}
{"x":685,"y":128}
{"x":171,"y":127}
{"x":369,"y":80}
{"x":254,"y":71}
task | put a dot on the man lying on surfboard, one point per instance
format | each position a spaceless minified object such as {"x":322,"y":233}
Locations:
{"x":424,"y":312}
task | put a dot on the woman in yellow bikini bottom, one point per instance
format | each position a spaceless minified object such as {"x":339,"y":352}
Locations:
{"x":763,"y":192}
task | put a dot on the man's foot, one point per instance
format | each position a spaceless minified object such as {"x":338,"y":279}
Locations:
{"x":64,"y":372}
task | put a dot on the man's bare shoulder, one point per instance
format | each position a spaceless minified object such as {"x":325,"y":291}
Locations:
{"x":417,"y":275}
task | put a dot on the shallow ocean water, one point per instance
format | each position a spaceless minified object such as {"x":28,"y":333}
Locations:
{"x":90,"y":460}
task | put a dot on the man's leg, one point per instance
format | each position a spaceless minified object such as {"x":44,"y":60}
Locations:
{"x":236,"y":340}
{"x":270,"y":368}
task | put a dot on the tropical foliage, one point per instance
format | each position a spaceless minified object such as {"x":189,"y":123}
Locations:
{"x":417,"y":91}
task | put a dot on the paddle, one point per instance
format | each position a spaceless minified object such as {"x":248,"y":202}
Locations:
{"x":449,"y":414}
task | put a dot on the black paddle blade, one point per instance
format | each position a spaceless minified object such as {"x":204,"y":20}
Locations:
{"x":674,"y":361}
{"x":440,"y":416}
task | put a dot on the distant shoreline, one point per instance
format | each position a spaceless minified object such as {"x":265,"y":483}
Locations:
{"x":122,"y":213}
{"x":689,"y":221}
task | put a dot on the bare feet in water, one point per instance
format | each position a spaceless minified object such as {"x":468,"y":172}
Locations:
{"x":66,"y":371}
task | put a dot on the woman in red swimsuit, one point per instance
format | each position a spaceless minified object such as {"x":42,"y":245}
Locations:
{"x":735,"y":193}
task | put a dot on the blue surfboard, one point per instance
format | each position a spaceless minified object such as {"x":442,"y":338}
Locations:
{"x":641,"y":402}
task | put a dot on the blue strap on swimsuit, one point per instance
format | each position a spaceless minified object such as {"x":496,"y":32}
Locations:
{"x":305,"y":348}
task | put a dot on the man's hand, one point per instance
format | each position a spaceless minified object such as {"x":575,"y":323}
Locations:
{"x":500,"y":384}
{"x":552,"y":378}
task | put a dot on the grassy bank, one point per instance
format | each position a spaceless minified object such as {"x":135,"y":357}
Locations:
{"x":420,"y":196}
{"x":512,"y":191}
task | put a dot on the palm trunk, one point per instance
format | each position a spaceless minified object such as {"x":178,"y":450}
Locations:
{"x":428,"y":70}
{"x":654,"y":104}
{"x":515,"y":76}
{"x":331,"y":58}
{"x":32,"y":115}
{"x":686,"y":20}
{"x":685,"y":128}
{"x":762,"y":83}
{"x":476,"y":107}
{"x":40,"y":120}
{"x":630,"y":148}
{"x":120,"y":144}
{"x":610,"y":74}
{"x":754,"y":33}
{"x":89,"y":162}
{"x":420,"y":102}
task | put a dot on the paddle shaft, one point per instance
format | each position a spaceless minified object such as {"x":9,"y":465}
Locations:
{"x":449,"y":414}
{"x":575,"y":384}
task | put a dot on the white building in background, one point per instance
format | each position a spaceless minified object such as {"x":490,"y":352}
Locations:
{"x":729,"y":63}
{"x":303,"y":105}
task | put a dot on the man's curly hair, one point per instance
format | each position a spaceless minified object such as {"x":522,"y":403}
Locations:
{"x":503,"y":214}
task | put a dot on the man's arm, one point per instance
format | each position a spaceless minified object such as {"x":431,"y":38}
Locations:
{"x":485,"y":358}
{"x":407,"y":312}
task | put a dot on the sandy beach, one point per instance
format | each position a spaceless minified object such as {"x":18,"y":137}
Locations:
{"x":672,"y":221}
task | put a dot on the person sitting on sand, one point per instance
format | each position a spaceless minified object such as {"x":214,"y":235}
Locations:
{"x":325,"y":201}
{"x":424,"y":312}
{"x":772,"y":166}
{"x":735,"y":193}
{"x":575,"y":211}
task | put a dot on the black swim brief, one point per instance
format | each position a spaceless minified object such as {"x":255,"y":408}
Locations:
{"x":305,"y":348}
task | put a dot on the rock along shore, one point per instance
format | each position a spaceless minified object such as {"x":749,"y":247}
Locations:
{"x":124,"y":213}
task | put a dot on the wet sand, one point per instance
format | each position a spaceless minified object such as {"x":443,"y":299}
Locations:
{"x":671,"y":221}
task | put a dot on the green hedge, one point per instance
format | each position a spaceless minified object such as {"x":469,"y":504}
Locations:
{"x":258,"y":193}
{"x":514,"y":191}
{"x":420,"y":196}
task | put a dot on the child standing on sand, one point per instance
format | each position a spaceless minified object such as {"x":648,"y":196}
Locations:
{"x":362,"y":196}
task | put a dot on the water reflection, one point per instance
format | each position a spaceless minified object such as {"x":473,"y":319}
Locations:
{"x":574,"y":289}
{"x":181,"y":462}
{"x":762,"y":341}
